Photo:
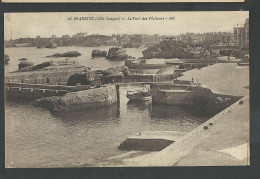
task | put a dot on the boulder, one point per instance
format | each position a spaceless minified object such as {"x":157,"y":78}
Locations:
{"x":80,"y":100}
{"x":84,"y":78}
{"x":116,"y":53}
{"x":24,"y":64}
{"x":66,"y":54}
{"x":99,"y":53}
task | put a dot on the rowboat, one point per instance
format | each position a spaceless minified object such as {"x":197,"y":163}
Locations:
{"x":243,"y":63}
{"x":139,"y":95}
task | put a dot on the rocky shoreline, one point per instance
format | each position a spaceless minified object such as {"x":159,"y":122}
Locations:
{"x":174,"y":49}
{"x":117,"y":53}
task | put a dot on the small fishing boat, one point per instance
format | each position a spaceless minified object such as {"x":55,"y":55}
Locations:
{"x":243,"y":63}
{"x":139,"y":95}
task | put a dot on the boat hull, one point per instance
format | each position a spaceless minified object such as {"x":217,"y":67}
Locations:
{"x":146,"y":98}
{"x":243,"y":64}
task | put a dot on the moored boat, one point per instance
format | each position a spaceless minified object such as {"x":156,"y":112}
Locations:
{"x":243,"y":63}
{"x":139,"y":95}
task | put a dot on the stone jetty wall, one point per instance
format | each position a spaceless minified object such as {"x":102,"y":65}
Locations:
{"x":44,"y":76}
{"x":182,"y":98}
{"x":35,"y":91}
{"x":52,"y":87}
{"x":93,"y":98}
{"x":202,"y":99}
{"x":32,"y":93}
{"x":184,"y":94}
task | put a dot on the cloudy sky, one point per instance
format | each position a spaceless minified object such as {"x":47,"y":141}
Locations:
{"x":24,"y":25}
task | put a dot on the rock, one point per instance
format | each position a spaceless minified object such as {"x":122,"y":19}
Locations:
{"x":28,"y":66}
{"x":84,"y":78}
{"x":98,"y":53}
{"x":86,"y":99}
{"x":6,"y":59}
{"x":23,"y":59}
{"x":116,"y":53}
{"x":24,"y":64}
{"x":41,"y":65}
{"x":168,"y":49}
{"x":67,"y":54}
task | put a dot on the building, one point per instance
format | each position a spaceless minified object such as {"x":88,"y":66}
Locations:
{"x":238,"y":36}
{"x":80,"y":35}
{"x":141,"y":39}
{"x":241,"y":35}
{"x":246,"y":28}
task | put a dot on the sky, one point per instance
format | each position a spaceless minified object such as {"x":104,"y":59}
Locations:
{"x":24,"y":25}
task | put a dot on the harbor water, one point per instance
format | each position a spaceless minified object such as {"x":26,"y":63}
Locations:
{"x":37,"y":138}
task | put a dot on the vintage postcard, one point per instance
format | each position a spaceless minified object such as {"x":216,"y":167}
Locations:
{"x":103,"y":89}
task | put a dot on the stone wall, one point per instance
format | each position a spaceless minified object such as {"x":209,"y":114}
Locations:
{"x":93,"y":98}
{"x":34,"y":91}
{"x":161,"y":93}
{"x":175,"y":98}
{"x":43,"y":76}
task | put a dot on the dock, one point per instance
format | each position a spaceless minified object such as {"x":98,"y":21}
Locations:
{"x":223,"y":140}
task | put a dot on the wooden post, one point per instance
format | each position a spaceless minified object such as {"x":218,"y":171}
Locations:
{"x":118,"y":94}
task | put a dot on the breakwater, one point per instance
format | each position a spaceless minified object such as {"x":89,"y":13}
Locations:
{"x":168,"y":93}
{"x":202,"y":99}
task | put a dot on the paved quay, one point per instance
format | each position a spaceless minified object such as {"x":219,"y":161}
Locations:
{"x":225,"y":142}
{"x":222,"y":78}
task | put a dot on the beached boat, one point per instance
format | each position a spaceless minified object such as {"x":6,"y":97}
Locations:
{"x":243,"y":63}
{"x":139,"y":95}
